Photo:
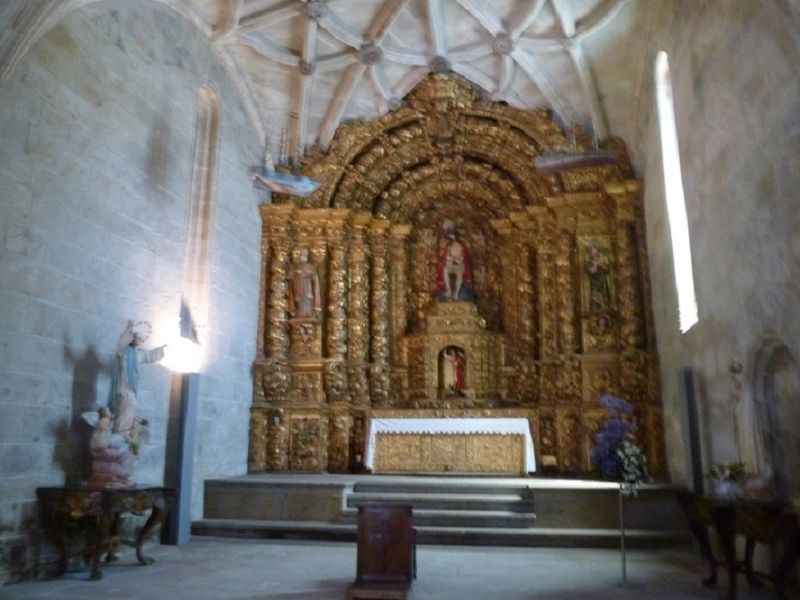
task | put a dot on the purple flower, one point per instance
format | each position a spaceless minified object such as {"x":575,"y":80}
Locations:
{"x":611,"y":437}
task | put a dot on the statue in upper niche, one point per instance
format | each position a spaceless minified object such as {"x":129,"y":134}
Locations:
{"x":304,"y":295}
{"x":454,"y":281}
{"x":598,"y":269}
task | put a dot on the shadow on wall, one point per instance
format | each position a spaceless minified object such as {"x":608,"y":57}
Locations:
{"x":159,"y":159}
{"x":72,"y":438}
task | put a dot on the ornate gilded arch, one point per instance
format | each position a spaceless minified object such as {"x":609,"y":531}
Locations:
{"x":446,"y":131}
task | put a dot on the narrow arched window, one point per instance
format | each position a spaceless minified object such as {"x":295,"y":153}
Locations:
{"x":197,"y":253}
{"x":673,"y":191}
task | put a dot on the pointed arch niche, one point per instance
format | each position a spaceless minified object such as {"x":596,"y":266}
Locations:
{"x":777,"y":396}
{"x":561,"y":311}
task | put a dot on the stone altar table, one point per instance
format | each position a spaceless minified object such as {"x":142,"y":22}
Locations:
{"x":491,"y":446}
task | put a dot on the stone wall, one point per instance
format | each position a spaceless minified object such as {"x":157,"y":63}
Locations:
{"x":98,"y":127}
{"x":737,"y":104}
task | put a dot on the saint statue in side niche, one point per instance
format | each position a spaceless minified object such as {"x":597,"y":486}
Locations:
{"x":304,"y":295}
{"x":454,"y":281}
{"x":599,"y":272}
{"x":453,"y":362}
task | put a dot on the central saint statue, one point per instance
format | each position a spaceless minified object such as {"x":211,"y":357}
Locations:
{"x":454,"y":282}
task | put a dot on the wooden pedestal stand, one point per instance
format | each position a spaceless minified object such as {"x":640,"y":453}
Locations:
{"x":386,"y":552}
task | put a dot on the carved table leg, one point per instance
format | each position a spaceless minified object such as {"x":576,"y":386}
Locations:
{"x":61,"y":538}
{"x":156,"y":516}
{"x":749,"y":549}
{"x":113,"y":540}
{"x":725,"y":519}
{"x":700,"y":532}
{"x":97,"y":548}
{"x":790,"y":556}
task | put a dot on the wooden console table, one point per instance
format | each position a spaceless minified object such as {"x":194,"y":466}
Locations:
{"x":102,"y":508}
{"x":758,"y":522}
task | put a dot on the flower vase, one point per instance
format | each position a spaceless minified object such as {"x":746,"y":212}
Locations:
{"x":725,"y":489}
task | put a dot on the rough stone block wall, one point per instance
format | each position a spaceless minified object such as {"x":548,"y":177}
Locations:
{"x":737,"y":103}
{"x":98,"y":127}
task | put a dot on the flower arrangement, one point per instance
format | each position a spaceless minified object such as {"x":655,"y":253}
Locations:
{"x":615,"y":454}
{"x":728,"y":472}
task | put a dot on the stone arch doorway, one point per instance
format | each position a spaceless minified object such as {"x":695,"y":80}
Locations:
{"x":777,"y":395}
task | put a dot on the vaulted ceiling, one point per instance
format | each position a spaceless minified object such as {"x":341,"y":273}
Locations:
{"x":306,"y":66}
{"x":310,"y":65}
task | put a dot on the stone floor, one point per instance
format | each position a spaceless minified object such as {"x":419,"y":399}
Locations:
{"x":215,"y":568}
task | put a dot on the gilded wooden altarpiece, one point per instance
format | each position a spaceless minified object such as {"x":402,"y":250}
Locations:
{"x":558,"y":305}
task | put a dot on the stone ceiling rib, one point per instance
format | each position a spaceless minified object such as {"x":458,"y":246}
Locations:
{"x":387,"y":14}
{"x":507,"y":72}
{"x":599,"y":18}
{"x":226,"y":24}
{"x":309,"y":53}
{"x":409,"y":81}
{"x":515,"y":30}
{"x":436,"y":27}
{"x":334,"y":62}
{"x":470,"y":51}
{"x":529,"y":64}
{"x":381,"y":83}
{"x":565,"y":18}
{"x":344,"y":91}
{"x":268,"y":17}
{"x":270,"y":49}
{"x":587,"y":81}
{"x":476,"y":76}
{"x":404,"y":56}
{"x":341,"y":30}
{"x":484,"y":14}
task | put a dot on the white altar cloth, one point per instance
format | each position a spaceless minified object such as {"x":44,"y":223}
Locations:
{"x":494,"y":426}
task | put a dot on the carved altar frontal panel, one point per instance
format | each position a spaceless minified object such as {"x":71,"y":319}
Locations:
{"x":308,"y":434}
{"x":451,"y":453}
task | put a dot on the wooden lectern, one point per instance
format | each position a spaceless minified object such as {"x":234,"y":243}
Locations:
{"x":386,"y":552}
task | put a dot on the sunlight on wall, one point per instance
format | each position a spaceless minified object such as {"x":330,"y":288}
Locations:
{"x":673,"y":188}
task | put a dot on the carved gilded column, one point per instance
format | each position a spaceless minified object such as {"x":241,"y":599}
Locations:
{"x":398,"y":291}
{"x":336,"y":341}
{"x":277,"y":458}
{"x":527,"y":300}
{"x":358,"y":310}
{"x":277,"y":346}
{"x":548,"y":297}
{"x":339,"y":442}
{"x":631,"y":330}
{"x":398,"y":285}
{"x":379,"y":315}
{"x":629,"y":300}
{"x":566,"y":296}
{"x":257,"y":452}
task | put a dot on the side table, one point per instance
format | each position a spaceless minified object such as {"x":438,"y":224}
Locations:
{"x":102,"y":509}
{"x":758,"y":522}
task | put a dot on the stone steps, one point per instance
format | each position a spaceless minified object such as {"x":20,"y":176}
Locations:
{"x":445,"y":502}
{"x":447,"y":510}
{"x":466,"y":536}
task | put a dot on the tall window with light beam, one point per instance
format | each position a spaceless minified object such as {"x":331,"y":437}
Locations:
{"x":673,"y":191}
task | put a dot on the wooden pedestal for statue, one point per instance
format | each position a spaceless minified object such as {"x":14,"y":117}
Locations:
{"x":386,"y":552}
